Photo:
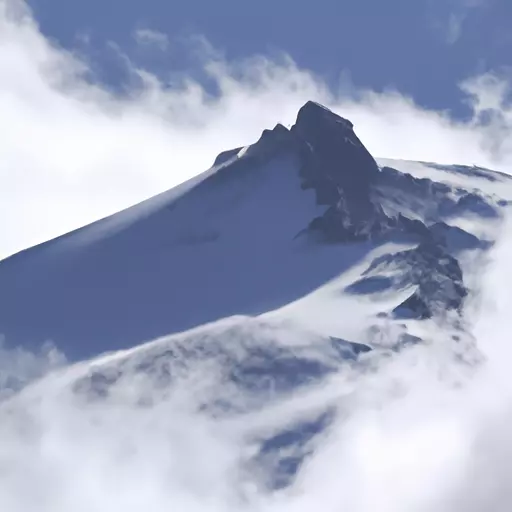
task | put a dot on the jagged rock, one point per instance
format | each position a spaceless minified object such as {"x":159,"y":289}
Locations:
{"x":434,"y":272}
{"x":475,"y":203}
{"x":337,"y":225}
{"x":271,"y":143}
{"x":406,"y":339}
{"x":369,"y":285}
{"x":349,"y":349}
{"x":333,"y":162}
{"x":431,"y":200}
{"x":423,"y":187}
{"x":413,"y":307}
{"x":280,"y":457}
{"x":225,"y":156}
{"x":344,"y":176}
{"x":341,"y":171}
{"x":456,"y":239}
{"x":475,"y":171}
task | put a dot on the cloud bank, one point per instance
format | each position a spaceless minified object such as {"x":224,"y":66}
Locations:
{"x":72,"y":151}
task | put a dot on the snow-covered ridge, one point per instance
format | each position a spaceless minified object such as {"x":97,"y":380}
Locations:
{"x":267,"y":226}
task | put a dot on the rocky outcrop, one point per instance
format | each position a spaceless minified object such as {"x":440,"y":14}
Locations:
{"x":435,"y":274}
{"x":249,"y":362}
{"x":341,"y":171}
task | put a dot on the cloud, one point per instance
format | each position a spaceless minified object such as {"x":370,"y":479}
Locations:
{"x":73,"y":151}
{"x":451,"y":25}
{"x":454,"y":28}
{"x":146,"y":36}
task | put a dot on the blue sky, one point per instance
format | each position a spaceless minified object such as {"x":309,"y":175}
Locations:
{"x":422,"y":48}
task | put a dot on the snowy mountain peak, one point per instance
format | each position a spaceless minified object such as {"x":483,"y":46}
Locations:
{"x":315,"y":114}
{"x":332,"y":141}
{"x":331,"y":161}
{"x":249,"y":237}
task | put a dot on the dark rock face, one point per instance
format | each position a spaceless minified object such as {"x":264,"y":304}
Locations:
{"x":270,"y":145}
{"x":435,"y":273}
{"x":334,"y":163}
{"x":415,"y":307}
{"x":348,"y":350}
{"x":456,"y":239}
{"x":477,"y":205}
{"x":281,"y":456}
{"x":362,"y":201}
{"x":397,"y":191}
{"x":341,"y":171}
{"x":405,"y":339}
{"x":474,"y":171}
{"x":335,"y":160}
{"x":365,"y":202}
{"x":225,"y":156}
{"x":369,"y":285}
{"x":430,"y":199}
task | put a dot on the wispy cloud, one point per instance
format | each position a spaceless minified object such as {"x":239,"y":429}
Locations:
{"x":454,"y":27}
{"x":455,"y":15}
{"x":146,"y":36}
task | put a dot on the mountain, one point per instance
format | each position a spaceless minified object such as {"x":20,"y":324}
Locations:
{"x":292,"y":263}
{"x":268,"y":225}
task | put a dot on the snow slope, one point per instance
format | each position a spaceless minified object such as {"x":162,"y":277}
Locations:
{"x":286,"y":220}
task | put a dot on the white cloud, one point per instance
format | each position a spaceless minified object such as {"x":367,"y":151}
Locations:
{"x":72,"y":151}
{"x":146,"y":36}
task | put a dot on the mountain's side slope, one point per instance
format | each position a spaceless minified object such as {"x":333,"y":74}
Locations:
{"x":292,"y":219}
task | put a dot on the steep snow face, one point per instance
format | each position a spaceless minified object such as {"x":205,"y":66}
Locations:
{"x":271,"y":227}
{"x":224,"y":244}
{"x":226,"y":247}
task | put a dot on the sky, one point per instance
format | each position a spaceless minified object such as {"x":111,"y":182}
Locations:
{"x":423,"y":48}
